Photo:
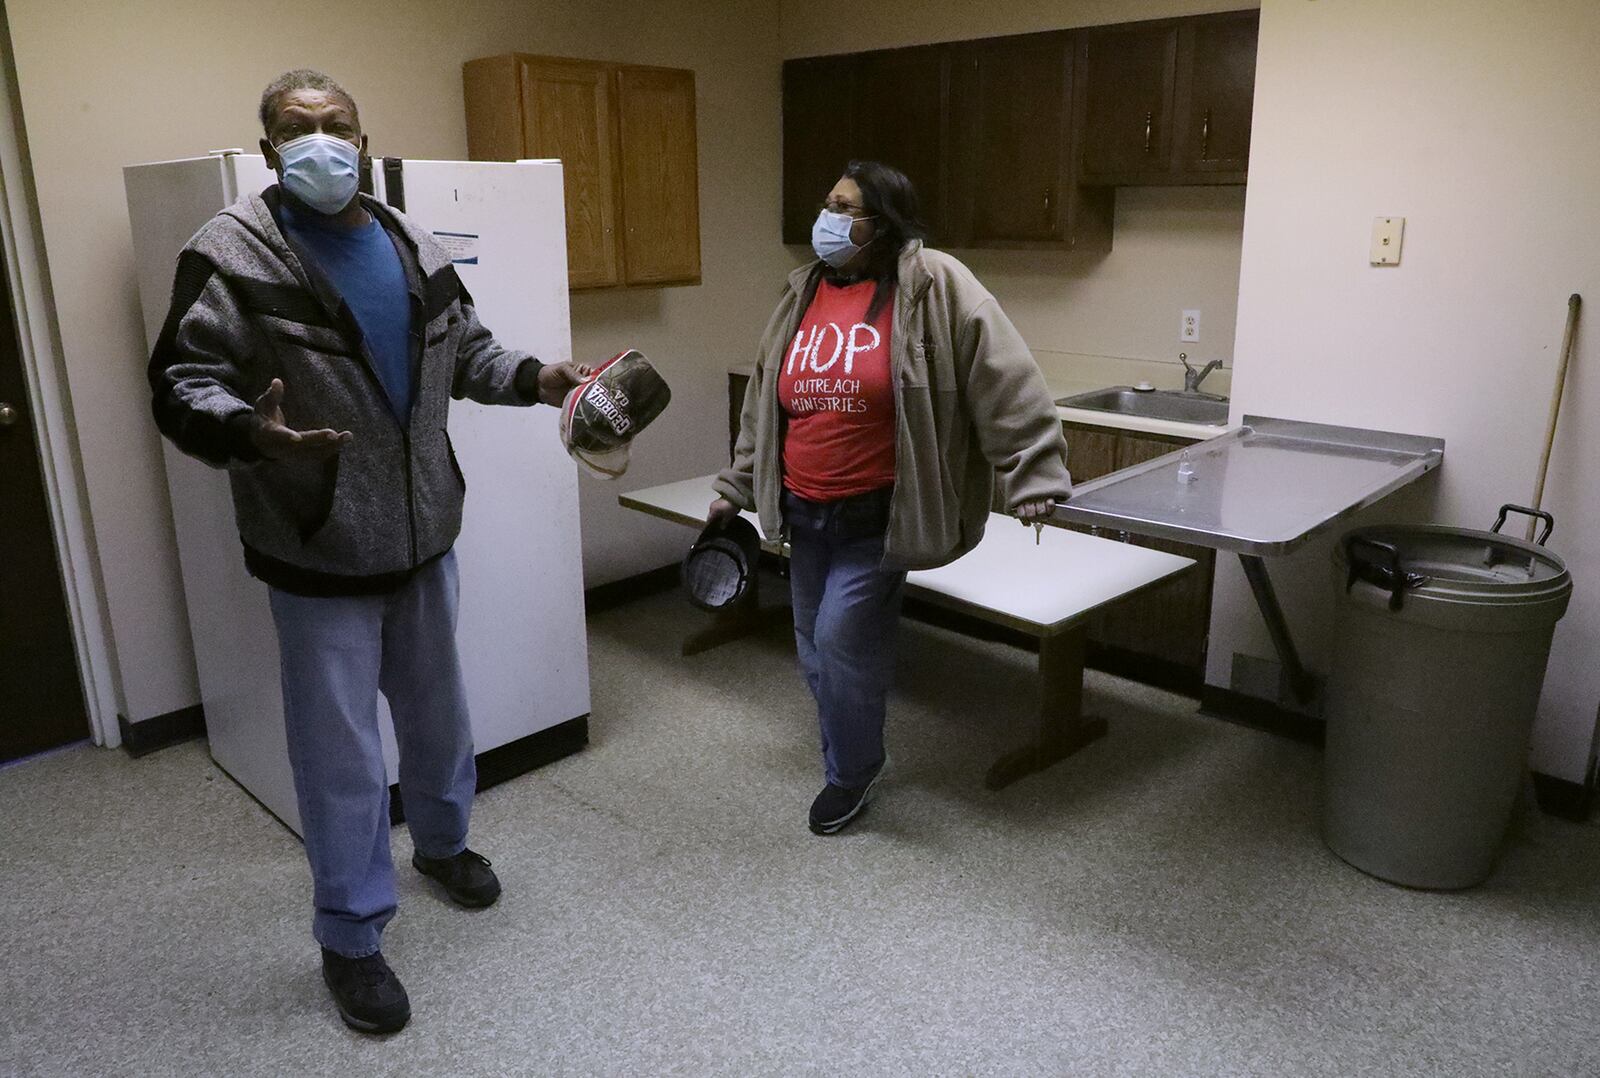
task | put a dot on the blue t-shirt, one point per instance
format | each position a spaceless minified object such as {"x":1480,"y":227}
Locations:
{"x":364,"y":266}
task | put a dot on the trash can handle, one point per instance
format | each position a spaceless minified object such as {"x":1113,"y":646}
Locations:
{"x":1549,"y":521}
{"x":1397,"y":579}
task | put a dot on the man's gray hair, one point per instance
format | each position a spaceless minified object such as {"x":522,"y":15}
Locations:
{"x":301,"y":78}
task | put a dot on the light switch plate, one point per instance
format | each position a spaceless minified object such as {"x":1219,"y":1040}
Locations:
{"x":1387,"y":235}
{"x":1189,"y":329}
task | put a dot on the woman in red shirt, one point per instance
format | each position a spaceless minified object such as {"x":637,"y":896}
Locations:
{"x":889,"y":388}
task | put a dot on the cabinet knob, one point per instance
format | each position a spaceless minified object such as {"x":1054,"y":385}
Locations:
{"x":8,"y":415}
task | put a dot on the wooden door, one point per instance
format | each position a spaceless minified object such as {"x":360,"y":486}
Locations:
{"x":566,"y":113}
{"x":1127,"y":84}
{"x":1216,"y":95}
{"x":902,"y":119}
{"x":660,"y":176}
{"x":1013,"y":109}
{"x":41,"y":698}
{"x":818,"y":136}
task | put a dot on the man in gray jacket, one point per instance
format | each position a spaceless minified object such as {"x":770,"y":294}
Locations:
{"x":313,"y":345}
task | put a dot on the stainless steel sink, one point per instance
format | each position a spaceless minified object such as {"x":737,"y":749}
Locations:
{"x":1203,"y":408}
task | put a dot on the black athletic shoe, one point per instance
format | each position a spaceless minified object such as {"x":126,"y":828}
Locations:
{"x":371,"y":998}
{"x":836,"y":806}
{"x":467,"y":877}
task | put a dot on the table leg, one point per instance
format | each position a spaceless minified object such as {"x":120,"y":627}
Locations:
{"x":1301,"y":682}
{"x":1063,"y":728}
{"x":744,"y":618}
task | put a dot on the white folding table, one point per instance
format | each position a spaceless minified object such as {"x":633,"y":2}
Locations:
{"x":1046,"y":588}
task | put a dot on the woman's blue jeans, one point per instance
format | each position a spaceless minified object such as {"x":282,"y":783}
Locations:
{"x":846,"y":609}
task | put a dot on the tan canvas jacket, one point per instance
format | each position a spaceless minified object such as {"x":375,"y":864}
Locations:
{"x":969,"y":401}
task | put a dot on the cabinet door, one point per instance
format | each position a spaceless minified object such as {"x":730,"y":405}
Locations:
{"x":1091,"y":451}
{"x":1127,"y":84}
{"x":1013,"y":111}
{"x":1216,"y":93}
{"x":818,"y":136}
{"x":1169,"y":622}
{"x":566,"y":113}
{"x":660,"y":176}
{"x":492,"y":92}
{"x":902,"y":119}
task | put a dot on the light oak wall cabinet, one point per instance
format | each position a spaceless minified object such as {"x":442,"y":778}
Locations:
{"x":625,"y":135}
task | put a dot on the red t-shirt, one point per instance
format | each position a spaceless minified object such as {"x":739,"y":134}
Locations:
{"x":835,"y":387}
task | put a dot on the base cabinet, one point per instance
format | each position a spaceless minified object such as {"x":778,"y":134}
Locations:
{"x":1158,"y":637}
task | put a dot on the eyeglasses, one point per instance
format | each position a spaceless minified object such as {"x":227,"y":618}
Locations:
{"x":840,"y":206}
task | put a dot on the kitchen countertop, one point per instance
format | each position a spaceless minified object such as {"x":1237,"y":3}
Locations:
{"x":1067,"y":374}
{"x":1089,"y":417}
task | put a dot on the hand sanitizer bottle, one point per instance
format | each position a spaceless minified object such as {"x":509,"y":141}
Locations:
{"x":1186,"y":468}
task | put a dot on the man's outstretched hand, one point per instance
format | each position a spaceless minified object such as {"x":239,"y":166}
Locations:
{"x":276,"y":441}
{"x":556,"y":379}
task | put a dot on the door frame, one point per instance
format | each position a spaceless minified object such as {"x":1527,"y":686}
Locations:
{"x":49,"y":404}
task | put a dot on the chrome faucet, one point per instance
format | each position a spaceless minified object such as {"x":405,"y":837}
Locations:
{"x":1191,"y":377}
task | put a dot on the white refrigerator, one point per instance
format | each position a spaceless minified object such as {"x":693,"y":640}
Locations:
{"x":523,"y":646}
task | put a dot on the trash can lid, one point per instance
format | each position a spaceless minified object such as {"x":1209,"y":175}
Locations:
{"x":1455,"y":564}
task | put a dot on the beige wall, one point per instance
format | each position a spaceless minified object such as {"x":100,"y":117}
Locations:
{"x":1172,"y":248}
{"x":104,"y":85}
{"x":1475,"y":121}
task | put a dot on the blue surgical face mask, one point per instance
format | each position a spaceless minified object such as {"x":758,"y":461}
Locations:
{"x":320,"y":170}
{"x":830,"y":237}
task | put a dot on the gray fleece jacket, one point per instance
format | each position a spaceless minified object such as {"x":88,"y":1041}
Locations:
{"x":969,"y":402}
{"x":248,"y":306}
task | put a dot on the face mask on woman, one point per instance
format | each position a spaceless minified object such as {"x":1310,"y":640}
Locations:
{"x":830,"y":237}
{"x":320,"y":170}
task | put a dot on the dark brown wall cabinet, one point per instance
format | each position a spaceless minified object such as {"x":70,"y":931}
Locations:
{"x":982,"y":129}
{"x":1168,"y":102}
{"x":1018,"y":141}
{"x":1013,"y":101}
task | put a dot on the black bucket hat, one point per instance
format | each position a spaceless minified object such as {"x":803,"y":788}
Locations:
{"x":720,"y":565}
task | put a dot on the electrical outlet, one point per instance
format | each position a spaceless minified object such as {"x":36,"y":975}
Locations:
{"x":1189,"y":330}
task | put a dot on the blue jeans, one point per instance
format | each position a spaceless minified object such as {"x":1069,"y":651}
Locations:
{"x":338,"y":653}
{"x":846,"y":610}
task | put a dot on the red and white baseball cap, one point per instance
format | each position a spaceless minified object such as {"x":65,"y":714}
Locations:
{"x":602,"y":415}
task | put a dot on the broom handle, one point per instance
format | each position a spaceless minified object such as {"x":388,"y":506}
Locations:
{"x":1573,"y":304}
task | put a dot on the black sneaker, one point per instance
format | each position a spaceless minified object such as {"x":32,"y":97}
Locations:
{"x":467,"y":877}
{"x":836,"y":806}
{"x":371,"y":998}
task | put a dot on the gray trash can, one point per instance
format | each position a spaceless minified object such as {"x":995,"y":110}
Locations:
{"x":1442,"y":639}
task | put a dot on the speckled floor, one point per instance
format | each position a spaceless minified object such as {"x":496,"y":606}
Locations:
{"x":1160,"y":904}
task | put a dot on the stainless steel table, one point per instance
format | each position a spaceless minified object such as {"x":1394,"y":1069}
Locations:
{"x":1261,"y":489}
